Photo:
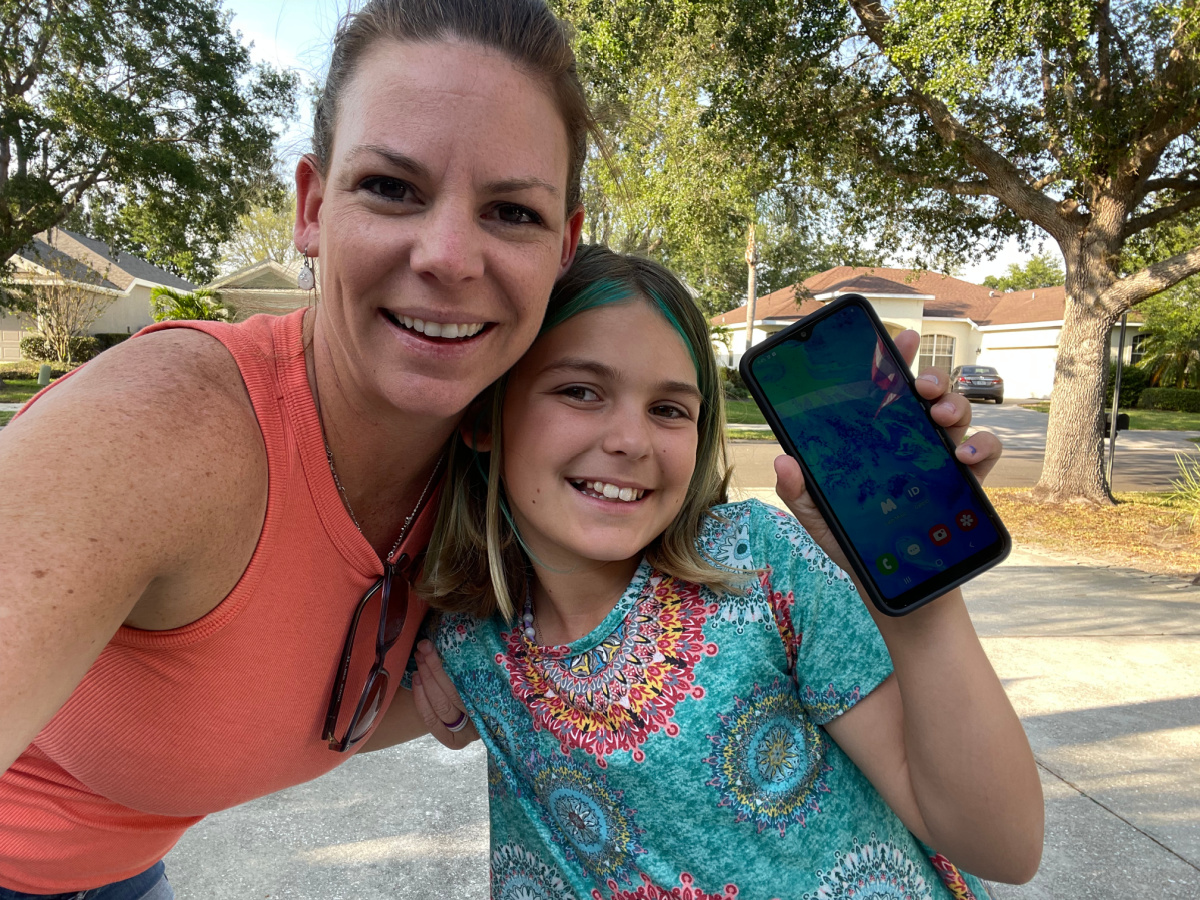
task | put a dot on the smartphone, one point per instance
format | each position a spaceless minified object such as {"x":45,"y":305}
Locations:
{"x":910,"y":517}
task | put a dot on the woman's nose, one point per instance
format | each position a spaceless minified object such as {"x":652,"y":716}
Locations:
{"x":448,"y":244}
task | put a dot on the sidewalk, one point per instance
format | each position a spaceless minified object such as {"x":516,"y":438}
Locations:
{"x":1102,"y":664}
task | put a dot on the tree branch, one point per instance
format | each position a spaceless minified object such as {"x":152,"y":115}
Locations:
{"x":1161,"y":214}
{"x":1150,"y":281}
{"x":1007,"y":183}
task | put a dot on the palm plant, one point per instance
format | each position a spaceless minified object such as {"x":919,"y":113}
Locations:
{"x":202,"y":304}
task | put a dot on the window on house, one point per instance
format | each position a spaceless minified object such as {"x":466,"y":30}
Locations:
{"x":937,"y":350}
{"x":1137,"y":349}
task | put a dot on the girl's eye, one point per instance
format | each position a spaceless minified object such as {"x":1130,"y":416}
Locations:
{"x":581,"y":393}
{"x":513,"y":214}
{"x":669,"y":411}
{"x":388,"y":188}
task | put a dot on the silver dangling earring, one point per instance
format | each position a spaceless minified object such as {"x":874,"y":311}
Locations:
{"x":306,"y":279}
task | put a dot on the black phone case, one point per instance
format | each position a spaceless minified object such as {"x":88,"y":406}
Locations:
{"x":813,"y":481}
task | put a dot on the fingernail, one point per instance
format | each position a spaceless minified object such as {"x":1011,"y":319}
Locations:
{"x":929,"y":377}
{"x":971,"y":449}
{"x":946,"y":406}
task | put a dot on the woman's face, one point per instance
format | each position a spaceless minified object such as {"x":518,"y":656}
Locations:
{"x":440,"y":226}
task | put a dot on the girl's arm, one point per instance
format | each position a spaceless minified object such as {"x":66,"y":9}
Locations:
{"x":939,"y":739}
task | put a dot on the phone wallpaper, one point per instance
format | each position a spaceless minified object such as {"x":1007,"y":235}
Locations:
{"x":853,"y":419}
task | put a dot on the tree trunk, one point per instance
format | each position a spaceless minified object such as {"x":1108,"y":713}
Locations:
{"x":1074,"y":466}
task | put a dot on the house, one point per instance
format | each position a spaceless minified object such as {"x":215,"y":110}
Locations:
{"x":121,"y":278}
{"x":265,"y":287}
{"x":960,"y":323}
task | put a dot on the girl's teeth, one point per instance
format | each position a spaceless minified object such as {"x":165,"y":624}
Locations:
{"x":612,"y":491}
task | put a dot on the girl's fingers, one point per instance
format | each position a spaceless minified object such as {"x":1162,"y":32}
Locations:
{"x":981,"y":452}
{"x":437,"y":702}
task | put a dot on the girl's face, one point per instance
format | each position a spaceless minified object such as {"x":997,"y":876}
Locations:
{"x":440,"y":224}
{"x":600,"y":436}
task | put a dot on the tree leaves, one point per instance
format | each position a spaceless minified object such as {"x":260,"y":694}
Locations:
{"x":147,"y":114}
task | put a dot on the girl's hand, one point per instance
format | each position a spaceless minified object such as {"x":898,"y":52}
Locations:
{"x":437,"y":700}
{"x":951,"y":411}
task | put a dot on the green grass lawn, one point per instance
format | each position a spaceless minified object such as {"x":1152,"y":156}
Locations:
{"x":1148,"y":419}
{"x":5,"y":417}
{"x":743,"y":412}
{"x":18,"y":390}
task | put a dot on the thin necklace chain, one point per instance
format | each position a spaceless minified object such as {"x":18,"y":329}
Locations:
{"x":350,"y":509}
{"x":342,"y":491}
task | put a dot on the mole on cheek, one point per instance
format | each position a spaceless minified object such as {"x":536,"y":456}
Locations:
{"x":39,"y":573}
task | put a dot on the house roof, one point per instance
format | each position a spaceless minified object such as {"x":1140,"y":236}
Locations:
{"x":94,"y":260}
{"x":266,"y":274}
{"x":945,"y":296}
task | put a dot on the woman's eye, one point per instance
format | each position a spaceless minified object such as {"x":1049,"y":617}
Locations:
{"x":388,"y":188}
{"x":513,"y":214}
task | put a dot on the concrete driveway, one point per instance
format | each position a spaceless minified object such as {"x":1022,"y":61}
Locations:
{"x":1144,"y":460}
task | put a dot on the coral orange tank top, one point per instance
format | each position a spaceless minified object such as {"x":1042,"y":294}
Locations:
{"x":170,"y":726}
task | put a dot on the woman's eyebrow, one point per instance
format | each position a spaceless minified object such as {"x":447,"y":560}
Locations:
{"x":395,"y":157}
{"x":608,"y":373}
{"x":500,"y":186}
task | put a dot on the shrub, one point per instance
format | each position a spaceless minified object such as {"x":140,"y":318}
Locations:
{"x":735,"y":388}
{"x":28,"y":368}
{"x":1177,"y":399}
{"x":35,"y":346}
{"x":111,"y":339}
{"x":1133,"y":382}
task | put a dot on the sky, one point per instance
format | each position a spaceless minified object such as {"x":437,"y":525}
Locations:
{"x":297,"y":34}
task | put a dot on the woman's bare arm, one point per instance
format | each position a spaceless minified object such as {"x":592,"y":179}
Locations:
{"x":138,"y":490}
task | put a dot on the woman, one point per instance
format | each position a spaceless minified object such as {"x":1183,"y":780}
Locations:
{"x":219,"y":522}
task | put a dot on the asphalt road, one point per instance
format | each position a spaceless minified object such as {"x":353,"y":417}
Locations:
{"x":1144,"y":460}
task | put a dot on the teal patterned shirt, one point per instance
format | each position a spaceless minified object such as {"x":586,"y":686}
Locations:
{"x":678,"y":751}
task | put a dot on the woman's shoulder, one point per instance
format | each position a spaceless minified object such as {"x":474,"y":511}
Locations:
{"x":148,"y":411}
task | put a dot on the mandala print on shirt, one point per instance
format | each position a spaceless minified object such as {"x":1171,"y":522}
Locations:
{"x":502,"y":719}
{"x":804,"y":547}
{"x":826,"y":706}
{"x":768,"y":761}
{"x":519,"y":875}
{"x":872,"y":871}
{"x":454,"y":630}
{"x":592,"y":825}
{"x":727,"y":544}
{"x":648,"y":890}
{"x":615,"y":695}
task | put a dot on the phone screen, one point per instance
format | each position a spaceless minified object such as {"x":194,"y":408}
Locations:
{"x":844,"y":401}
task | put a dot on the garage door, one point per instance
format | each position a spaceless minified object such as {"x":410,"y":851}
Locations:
{"x":10,"y":344}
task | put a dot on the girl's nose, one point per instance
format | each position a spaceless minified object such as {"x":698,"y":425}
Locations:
{"x":628,"y":434}
{"x":448,"y":245}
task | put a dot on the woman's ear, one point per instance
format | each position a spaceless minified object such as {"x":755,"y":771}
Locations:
{"x":474,"y":429}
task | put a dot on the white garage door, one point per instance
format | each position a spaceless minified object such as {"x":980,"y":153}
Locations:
{"x":10,"y":345}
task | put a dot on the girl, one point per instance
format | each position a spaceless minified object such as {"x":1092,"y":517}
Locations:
{"x":686,"y":698}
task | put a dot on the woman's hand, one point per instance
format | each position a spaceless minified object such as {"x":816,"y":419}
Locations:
{"x":438,"y":702}
{"x":951,"y":411}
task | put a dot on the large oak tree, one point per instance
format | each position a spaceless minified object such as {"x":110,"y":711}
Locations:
{"x":148,"y":113}
{"x":950,"y":125}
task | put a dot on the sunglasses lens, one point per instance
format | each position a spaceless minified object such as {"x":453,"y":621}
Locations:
{"x":371,"y":702}
{"x":397,"y":610}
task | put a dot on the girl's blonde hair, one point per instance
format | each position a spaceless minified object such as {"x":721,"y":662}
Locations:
{"x":476,"y":562}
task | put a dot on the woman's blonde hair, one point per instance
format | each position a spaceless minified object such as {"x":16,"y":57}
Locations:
{"x":476,"y":562}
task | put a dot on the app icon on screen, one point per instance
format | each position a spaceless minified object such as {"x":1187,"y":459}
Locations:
{"x":939,"y":534}
{"x":967,"y":520}
{"x":887,"y":564}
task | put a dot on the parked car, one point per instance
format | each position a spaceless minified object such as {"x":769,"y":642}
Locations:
{"x":983,"y":382}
